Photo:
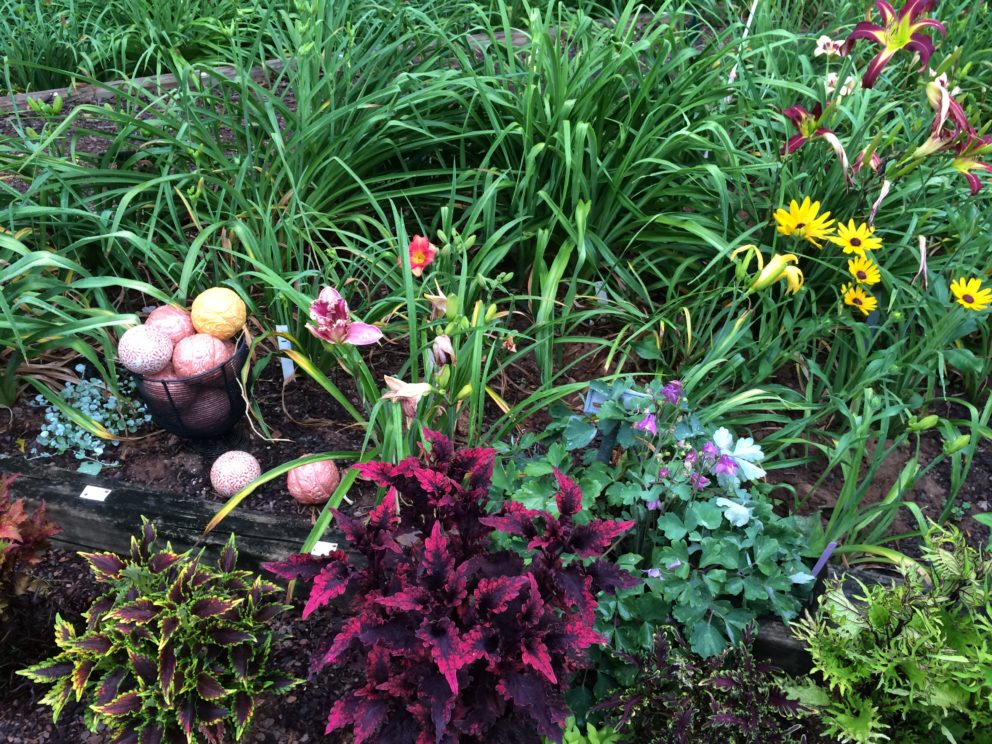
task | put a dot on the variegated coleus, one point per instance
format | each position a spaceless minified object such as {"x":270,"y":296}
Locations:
{"x":458,"y":639}
{"x":176,"y":650}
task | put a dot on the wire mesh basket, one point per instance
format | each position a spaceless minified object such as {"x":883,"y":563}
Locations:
{"x":204,"y":406}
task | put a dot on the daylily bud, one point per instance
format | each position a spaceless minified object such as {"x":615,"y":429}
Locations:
{"x":443,"y":351}
{"x":490,"y":313}
{"x":927,"y":422}
{"x":444,"y":377}
{"x":453,"y":308}
{"x":464,"y":392}
{"x":956,"y":445}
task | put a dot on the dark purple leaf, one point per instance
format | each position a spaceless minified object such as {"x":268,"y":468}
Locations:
{"x":128,"y":736}
{"x":541,"y":702}
{"x":166,"y":669}
{"x":141,"y":611}
{"x":144,"y":667}
{"x":608,"y":577}
{"x":50,"y":672}
{"x":451,"y":652}
{"x":208,"y":712}
{"x":151,"y":734}
{"x":239,"y":660}
{"x":493,"y":596}
{"x":228,"y":556}
{"x":168,"y":625}
{"x":110,"y":686}
{"x":161,"y":561}
{"x":105,"y":566}
{"x":441,"y":702}
{"x":129,"y":702}
{"x":186,"y":715}
{"x":212,"y":606}
{"x":80,"y":675}
{"x":515,"y":519}
{"x":535,"y":655}
{"x":95,"y":643}
{"x":436,"y":565}
{"x":227,"y":636}
{"x":594,"y":538}
{"x":244,"y":708}
{"x":208,"y":687}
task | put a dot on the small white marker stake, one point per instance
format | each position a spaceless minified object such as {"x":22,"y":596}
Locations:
{"x":94,"y":493}
{"x":288,"y":368}
{"x":322,"y":548}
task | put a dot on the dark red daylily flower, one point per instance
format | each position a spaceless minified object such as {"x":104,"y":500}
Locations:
{"x":942,"y":101}
{"x":902,"y":30}
{"x":809,"y":128}
{"x":968,"y":152}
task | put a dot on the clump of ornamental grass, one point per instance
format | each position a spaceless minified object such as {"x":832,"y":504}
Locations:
{"x":458,"y":639}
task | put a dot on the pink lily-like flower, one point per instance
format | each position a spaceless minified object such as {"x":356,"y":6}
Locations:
{"x":968,"y":152}
{"x":334,"y":324}
{"x":902,"y":30}
{"x":874,"y":162}
{"x":809,"y":128}
{"x":407,"y":394}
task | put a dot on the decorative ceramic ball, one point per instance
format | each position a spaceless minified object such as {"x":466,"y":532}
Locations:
{"x":171,"y":321}
{"x":197,"y":354}
{"x":232,"y":471}
{"x":164,"y":392}
{"x":144,"y":351}
{"x":314,"y":483}
{"x":220,"y":312}
{"x":208,"y":414}
{"x":229,"y":349}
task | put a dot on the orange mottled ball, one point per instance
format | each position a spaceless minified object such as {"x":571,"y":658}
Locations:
{"x":313,"y":484}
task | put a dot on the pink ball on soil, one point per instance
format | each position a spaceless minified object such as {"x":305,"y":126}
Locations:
{"x":197,"y":354}
{"x":144,"y":350}
{"x":232,"y":471}
{"x":171,"y":321}
{"x":314,"y":483}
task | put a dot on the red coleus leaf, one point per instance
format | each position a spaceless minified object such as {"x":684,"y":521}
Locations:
{"x":299,"y":566}
{"x":410,"y":600}
{"x":442,"y":450}
{"x":569,"y":497}
{"x":105,"y":566}
{"x":595,"y":537}
{"x":441,"y":701}
{"x":129,"y":702}
{"x":535,"y":655}
{"x":212,"y":607}
{"x":515,"y":519}
{"x":436,"y":565}
{"x":449,"y":650}
{"x":331,"y":582}
{"x":493,"y":596}
{"x":342,"y":642}
{"x":380,"y":473}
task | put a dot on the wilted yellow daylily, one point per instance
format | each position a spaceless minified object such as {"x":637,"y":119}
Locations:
{"x":777,"y":269}
{"x":407,"y":394}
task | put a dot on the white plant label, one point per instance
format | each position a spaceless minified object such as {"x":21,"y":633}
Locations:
{"x":288,"y":368}
{"x":322,"y":548}
{"x":94,"y":493}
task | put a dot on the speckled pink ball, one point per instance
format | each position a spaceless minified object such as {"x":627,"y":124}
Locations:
{"x":144,"y":350}
{"x":171,"y":321}
{"x":314,"y":483}
{"x":232,"y":471}
{"x":197,"y":354}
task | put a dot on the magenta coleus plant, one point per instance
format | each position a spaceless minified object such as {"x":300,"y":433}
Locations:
{"x":459,"y":640}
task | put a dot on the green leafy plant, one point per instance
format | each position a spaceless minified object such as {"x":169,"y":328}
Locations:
{"x":23,"y":543}
{"x":678,"y":698}
{"x":714,"y":554}
{"x":119,"y":414}
{"x":907,"y":661}
{"x":175,"y":649}
{"x":590,"y":734}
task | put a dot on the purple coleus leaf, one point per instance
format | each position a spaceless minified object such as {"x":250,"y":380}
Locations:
{"x":332,"y":582}
{"x":105,"y":566}
{"x":129,"y":702}
{"x":212,"y":606}
{"x":299,"y":566}
{"x":493,"y":596}
{"x":591,"y":539}
{"x":515,"y":519}
{"x":569,"y":497}
{"x":437,"y":565}
{"x":530,"y":693}
{"x":450,"y":650}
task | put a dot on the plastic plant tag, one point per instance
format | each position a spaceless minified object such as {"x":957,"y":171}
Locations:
{"x":322,"y":548}
{"x":288,"y":368}
{"x":94,"y":493}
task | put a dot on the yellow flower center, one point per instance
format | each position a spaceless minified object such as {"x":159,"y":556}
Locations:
{"x":418,"y":257}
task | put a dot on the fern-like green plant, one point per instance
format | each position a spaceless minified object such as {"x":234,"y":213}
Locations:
{"x":910,"y":661}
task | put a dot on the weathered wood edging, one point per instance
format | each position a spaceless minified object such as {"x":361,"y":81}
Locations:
{"x":89,"y":523}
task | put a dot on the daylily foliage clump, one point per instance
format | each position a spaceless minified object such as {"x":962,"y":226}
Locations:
{"x":458,"y":640}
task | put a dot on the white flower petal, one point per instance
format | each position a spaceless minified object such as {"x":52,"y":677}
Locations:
{"x":723,"y":439}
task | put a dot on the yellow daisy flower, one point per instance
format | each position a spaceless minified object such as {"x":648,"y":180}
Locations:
{"x":855,"y":296}
{"x":863,"y":270}
{"x":805,"y":221}
{"x":856,"y":238}
{"x":970,"y":294}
